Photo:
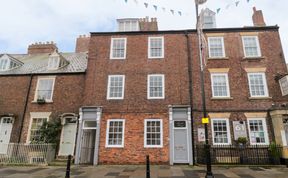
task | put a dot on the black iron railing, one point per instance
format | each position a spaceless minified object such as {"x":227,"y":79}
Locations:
{"x":240,"y":154}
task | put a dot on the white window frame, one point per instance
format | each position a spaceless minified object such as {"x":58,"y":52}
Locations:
{"x":7,"y":65}
{"x":51,"y":62}
{"x":264,"y":82}
{"x":162,"y":48}
{"x":163,"y":86}
{"x":122,"y":24}
{"x":257,"y":45}
{"x":42,"y":115}
{"x":53,"y":85}
{"x":227,"y":84}
{"x":83,"y":127}
{"x":228,"y":130}
{"x":111,"y":48}
{"x":145,"y":134}
{"x":223,"y":47}
{"x":264,"y":129}
{"x":107,"y":133}
{"x":108,"y":87}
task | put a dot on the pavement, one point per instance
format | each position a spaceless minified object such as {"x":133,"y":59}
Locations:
{"x":139,"y":171}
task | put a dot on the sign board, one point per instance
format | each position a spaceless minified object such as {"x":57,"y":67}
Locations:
{"x":201,"y":134}
{"x":239,"y":128}
{"x":205,"y":120}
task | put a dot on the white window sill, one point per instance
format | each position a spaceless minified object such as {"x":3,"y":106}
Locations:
{"x":253,"y":57}
{"x":154,"y":146}
{"x":222,"y":98}
{"x":115,"y":98}
{"x":216,"y":58}
{"x":43,"y":103}
{"x":260,"y":98}
{"x":117,"y":58}
{"x":158,"y":57}
{"x":114,"y":146}
{"x":155,"y":98}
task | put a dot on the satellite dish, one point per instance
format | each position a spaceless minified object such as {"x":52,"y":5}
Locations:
{"x":200,"y":1}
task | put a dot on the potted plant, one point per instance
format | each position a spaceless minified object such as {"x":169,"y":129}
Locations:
{"x":274,"y":153}
{"x":41,"y":100}
{"x":241,"y":141}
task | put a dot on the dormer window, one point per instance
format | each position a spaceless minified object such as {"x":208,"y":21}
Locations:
{"x":56,"y":61}
{"x":7,"y":62}
{"x":125,"y":25}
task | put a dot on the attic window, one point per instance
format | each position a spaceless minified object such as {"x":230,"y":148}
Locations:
{"x":53,"y":62}
{"x":4,"y":64}
{"x":7,"y":62}
{"x":128,"y":25}
{"x":56,"y":61}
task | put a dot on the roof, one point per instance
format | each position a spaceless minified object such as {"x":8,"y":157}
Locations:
{"x":211,"y":30}
{"x":37,"y":64}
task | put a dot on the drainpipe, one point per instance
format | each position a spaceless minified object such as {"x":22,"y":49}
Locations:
{"x":189,"y":61}
{"x":25,"y":108}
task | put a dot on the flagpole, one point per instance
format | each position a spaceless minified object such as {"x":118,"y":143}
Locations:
{"x":209,"y":173}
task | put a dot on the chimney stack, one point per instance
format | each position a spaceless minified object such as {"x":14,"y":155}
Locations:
{"x":258,"y":19}
{"x":146,"y":25}
{"x":39,"y":48}
{"x":82,"y":43}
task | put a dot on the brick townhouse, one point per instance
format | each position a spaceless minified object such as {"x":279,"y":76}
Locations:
{"x":142,"y":92}
{"x":38,"y":86}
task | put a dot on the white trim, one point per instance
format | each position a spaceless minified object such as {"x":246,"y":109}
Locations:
{"x":266,"y":92}
{"x":163,"y":86}
{"x":257,"y":45}
{"x":36,"y":115}
{"x":45,"y":78}
{"x":161,"y":134}
{"x":107,"y":134}
{"x":162,"y":48}
{"x":264,"y":130}
{"x":85,"y":128}
{"x":228,"y":130}
{"x":223,"y":47}
{"x":108,"y":87}
{"x":111,"y":48}
{"x":227,"y":84}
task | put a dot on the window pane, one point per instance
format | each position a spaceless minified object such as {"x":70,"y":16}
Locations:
{"x":153,"y":133}
{"x":116,"y":86}
{"x":219,"y":84}
{"x":216,"y":47}
{"x":45,"y":87}
{"x":156,"y":86}
{"x":220,"y":130}
{"x":35,"y":127}
{"x":257,"y":85}
{"x":156,"y":45}
{"x":257,"y":131}
{"x":118,"y":48}
{"x":250,"y":46}
{"x":115,"y":133}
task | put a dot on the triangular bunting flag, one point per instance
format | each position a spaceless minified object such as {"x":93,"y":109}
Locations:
{"x":163,"y":8}
{"x":227,"y":6}
{"x":155,"y":7}
{"x":172,"y":11}
{"x":218,"y":10}
{"x":180,"y":13}
{"x":248,"y":0}
{"x":146,"y":4}
{"x":237,"y":3}
{"x":136,"y":1}
{"x":126,"y":1}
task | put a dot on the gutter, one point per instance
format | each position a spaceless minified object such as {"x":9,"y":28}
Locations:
{"x":25,"y":108}
{"x":189,"y":59}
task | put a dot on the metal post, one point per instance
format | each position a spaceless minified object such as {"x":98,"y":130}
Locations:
{"x":68,"y":167}
{"x":147,"y":167}
{"x":209,"y":173}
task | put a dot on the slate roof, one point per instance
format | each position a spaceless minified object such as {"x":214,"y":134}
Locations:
{"x":37,"y":64}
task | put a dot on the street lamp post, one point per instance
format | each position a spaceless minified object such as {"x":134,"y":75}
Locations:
{"x":209,"y":173}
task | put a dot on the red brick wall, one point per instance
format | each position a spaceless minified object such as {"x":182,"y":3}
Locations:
{"x":13,"y":91}
{"x":67,"y":98}
{"x":133,"y":151}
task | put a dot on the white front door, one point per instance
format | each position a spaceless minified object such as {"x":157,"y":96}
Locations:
{"x":67,"y":142}
{"x":6,"y":124}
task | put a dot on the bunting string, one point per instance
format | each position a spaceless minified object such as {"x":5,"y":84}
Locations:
{"x":158,"y":8}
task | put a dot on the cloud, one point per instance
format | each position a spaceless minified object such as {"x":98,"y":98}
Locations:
{"x":29,"y":21}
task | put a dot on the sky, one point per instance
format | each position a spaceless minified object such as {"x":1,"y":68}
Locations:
{"x":24,"y":22}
